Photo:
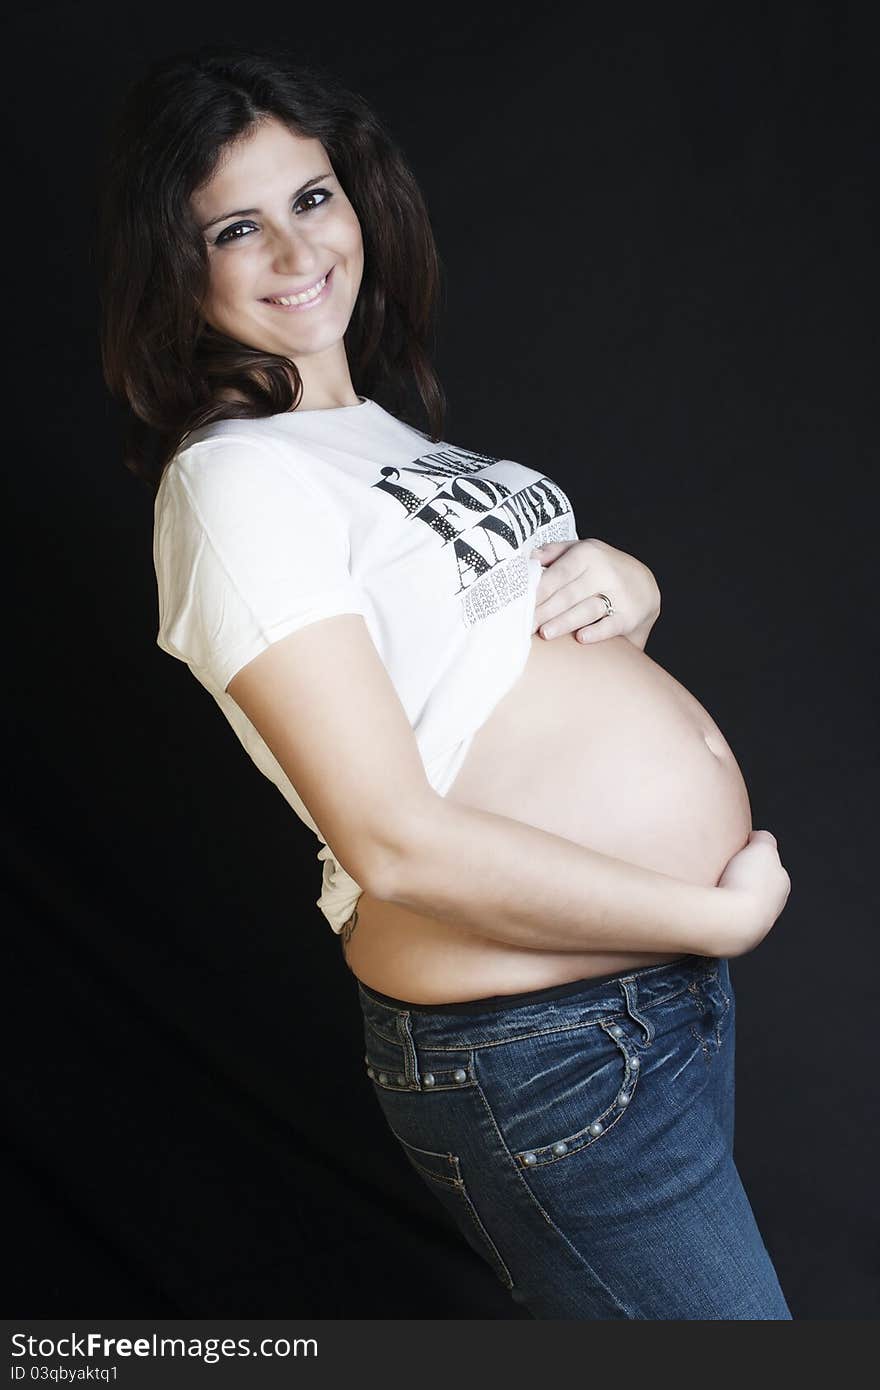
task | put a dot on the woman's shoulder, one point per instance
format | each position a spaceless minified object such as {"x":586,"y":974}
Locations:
{"x":232,"y":437}
{"x":240,"y":469}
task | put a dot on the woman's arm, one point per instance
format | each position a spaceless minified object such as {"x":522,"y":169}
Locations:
{"x":513,"y":882}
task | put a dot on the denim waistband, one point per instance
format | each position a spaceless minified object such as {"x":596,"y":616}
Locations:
{"x":480,"y":1020}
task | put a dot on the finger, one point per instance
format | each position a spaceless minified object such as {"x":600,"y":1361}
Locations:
{"x":600,"y":631}
{"x":550,"y":552}
{"x":581,"y":616}
{"x":557,"y":595}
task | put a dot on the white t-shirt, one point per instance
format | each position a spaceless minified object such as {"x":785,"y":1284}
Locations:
{"x":263,"y":526}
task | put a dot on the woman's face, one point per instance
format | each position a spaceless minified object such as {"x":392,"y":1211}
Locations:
{"x":271,"y":236}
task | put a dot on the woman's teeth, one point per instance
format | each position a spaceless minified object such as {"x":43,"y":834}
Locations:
{"x":301,"y":298}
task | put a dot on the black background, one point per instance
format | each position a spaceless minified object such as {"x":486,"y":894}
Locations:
{"x":691,"y":193}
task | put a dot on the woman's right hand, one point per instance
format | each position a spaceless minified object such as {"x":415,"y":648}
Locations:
{"x":761,"y":885}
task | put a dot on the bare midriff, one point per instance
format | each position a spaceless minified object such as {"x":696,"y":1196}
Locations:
{"x":594,"y":742}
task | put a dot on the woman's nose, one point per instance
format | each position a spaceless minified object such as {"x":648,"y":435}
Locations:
{"x":293,"y":254}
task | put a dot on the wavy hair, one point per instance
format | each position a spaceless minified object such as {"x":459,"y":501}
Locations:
{"x":170,"y":370}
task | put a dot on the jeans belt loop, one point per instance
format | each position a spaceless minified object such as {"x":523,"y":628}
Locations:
{"x":629,"y":989}
{"x":410,"y":1058}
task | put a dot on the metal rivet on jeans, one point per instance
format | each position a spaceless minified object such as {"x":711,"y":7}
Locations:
{"x":635,"y":1062}
{"x":401,"y":1080}
{"x":561,"y":1147}
{"x":459,"y":1075}
{"x":371,"y":1073}
{"x":530,"y":1158}
{"x":623,"y":1098}
{"x":383,"y":1077}
{"x":595,"y":1127}
{"x":428,"y":1078}
{"x":617,"y":1031}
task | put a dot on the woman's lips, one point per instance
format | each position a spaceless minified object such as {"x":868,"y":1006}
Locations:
{"x":309,"y":303}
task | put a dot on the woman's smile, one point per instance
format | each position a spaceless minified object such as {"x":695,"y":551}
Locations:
{"x":307,"y":299}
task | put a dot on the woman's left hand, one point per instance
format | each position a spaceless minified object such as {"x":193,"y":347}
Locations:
{"x":567,"y":600}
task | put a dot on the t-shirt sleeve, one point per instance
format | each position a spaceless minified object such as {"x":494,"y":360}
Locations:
{"x":246,"y":550}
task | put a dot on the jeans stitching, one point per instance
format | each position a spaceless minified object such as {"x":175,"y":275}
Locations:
{"x":435,"y":1177}
{"x":707,"y":1051}
{"x":478,"y":1090}
{"x":724,"y":1012}
{"x":711,"y":977}
{"x":507,"y":1278}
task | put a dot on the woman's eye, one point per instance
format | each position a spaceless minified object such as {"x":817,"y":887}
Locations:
{"x":228,"y":232}
{"x":325,"y":193}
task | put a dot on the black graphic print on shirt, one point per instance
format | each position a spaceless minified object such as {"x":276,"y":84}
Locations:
{"x":485,"y":510}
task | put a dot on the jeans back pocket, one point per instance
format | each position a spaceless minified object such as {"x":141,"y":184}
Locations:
{"x":441,"y":1172}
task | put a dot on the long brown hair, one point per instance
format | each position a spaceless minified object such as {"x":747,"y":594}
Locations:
{"x":167,"y":368}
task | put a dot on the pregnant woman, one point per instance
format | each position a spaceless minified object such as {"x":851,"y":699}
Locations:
{"x":536,"y":844}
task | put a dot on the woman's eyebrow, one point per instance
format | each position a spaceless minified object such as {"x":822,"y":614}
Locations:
{"x":247,"y":212}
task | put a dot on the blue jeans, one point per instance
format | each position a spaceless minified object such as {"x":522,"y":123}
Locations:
{"x":581,"y":1138}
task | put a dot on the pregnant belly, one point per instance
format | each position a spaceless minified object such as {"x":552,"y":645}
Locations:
{"x":595,"y":743}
